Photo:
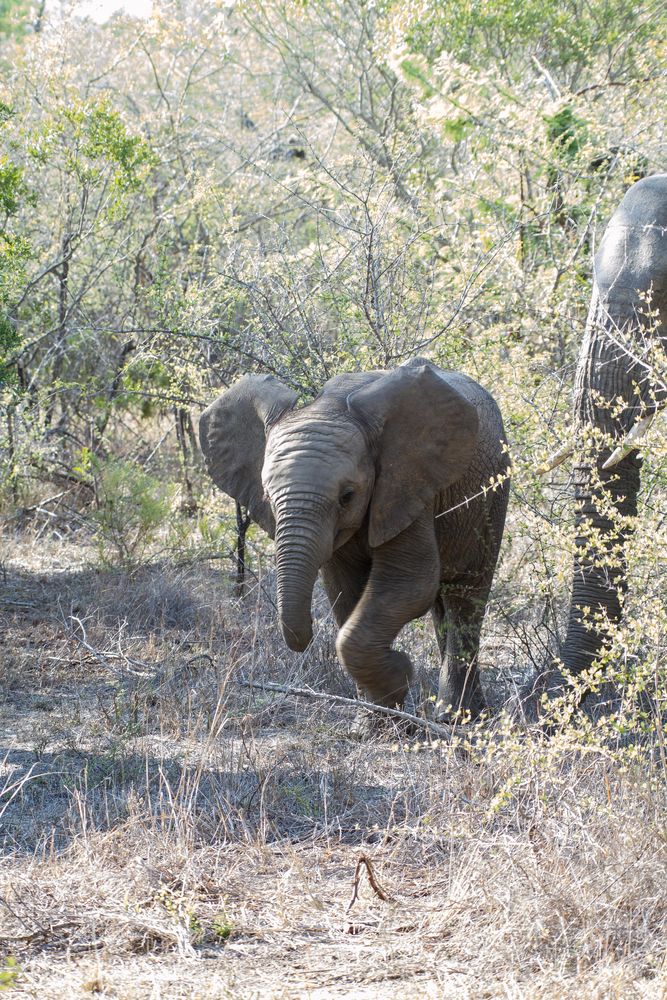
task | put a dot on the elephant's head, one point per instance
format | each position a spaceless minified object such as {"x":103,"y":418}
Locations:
{"x":371,"y":450}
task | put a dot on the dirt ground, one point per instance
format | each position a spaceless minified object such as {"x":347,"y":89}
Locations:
{"x":168,"y":832}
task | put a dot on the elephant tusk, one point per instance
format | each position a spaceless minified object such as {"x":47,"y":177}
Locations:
{"x":630,"y":441}
{"x":556,"y":459}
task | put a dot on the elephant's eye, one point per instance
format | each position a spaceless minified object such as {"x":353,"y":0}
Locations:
{"x":345,"y":497}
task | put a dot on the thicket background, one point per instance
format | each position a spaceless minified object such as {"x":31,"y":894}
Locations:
{"x":305,"y":188}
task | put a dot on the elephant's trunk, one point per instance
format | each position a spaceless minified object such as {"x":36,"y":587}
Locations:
{"x":599,"y":577}
{"x":616,"y":393}
{"x":604,"y":497}
{"x":303,"y":543}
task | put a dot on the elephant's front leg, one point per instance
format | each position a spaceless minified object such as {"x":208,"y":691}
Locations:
{"x":402,"y":585}
{"x":344,"y":577}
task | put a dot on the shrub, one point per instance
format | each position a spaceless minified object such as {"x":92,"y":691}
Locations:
{"x":132,"y":508}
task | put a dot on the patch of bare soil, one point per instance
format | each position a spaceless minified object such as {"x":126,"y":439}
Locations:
{"x":169,"y":833}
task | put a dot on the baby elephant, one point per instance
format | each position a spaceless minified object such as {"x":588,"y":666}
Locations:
{"x":382,"y":484}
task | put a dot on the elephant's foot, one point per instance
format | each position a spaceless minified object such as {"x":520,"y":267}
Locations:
{"x":460,"y":716}
{"x":548,"y":701}
{"x":460,"y":699}
{"x":384,"y":675}
{"x":370,"y":725}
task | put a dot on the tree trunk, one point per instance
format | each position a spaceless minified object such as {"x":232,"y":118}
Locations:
{"x":242,"y":525}
{"x":61,"y":336}
{"x":11,"y":449}
{"x":181,"y":416}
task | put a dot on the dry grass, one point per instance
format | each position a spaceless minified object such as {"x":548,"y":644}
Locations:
{"x":167,"y":833}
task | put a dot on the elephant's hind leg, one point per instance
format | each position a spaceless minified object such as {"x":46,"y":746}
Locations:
{"x":439,"y":617}
{"x":459,"y":616}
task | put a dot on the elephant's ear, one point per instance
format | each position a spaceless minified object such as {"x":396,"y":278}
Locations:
{"x":232,"y":435}
{"x":426,"y":432}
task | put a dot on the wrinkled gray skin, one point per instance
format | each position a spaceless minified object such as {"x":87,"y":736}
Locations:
{"x":632,"y":259}
{"x":351,"y":485}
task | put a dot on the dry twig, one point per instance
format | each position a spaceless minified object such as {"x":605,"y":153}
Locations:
{"x":440,"y":731}
{"x":375,"y":885}
{"x":104,"y":656}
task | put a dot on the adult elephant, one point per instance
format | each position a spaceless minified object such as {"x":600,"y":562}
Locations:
{"x":382,"y":484}
{"x":617,"y":393}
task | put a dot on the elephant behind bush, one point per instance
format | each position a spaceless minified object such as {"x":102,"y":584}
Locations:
{"x":619,"y":387}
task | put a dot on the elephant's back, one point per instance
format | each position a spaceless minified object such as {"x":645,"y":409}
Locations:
{"x":644,"y":204}
{"x":339,"y":387}
{"x":464,"y":510}
{"x":633,"y":253}
{"x":488,"y":410}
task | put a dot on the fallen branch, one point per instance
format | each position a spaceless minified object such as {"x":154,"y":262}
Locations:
{"x":42,"y":503}
{"x":104,"y":656}
{"x":442,"y":732}
{"x":375,"y":885}
{"x":10,"y":791}
{"x":42,"y":933}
